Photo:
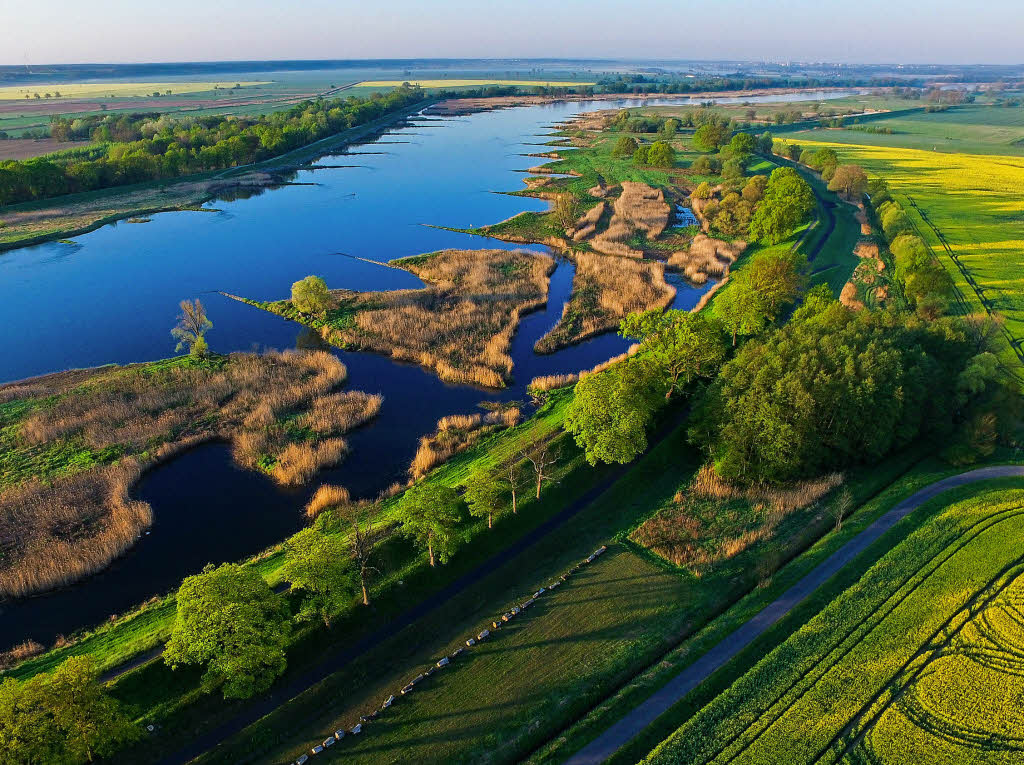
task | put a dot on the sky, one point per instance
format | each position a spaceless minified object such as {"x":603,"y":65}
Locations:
{"x":865,"y":31}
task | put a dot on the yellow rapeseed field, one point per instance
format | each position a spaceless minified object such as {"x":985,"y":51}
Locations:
{"x":976,"y":201}
{"x":118,"y":89}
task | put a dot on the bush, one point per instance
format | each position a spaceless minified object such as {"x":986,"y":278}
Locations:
{"x":661,"y":154}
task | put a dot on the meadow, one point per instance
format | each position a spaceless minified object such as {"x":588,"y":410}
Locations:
{"x":915,"y":662}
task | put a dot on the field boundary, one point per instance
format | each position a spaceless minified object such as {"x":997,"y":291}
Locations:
{"x":628,"y":727}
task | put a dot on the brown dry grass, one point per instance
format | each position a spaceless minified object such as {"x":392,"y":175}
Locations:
{"x":19,"y":653}
{"x":587,"y":224}
{"x":327,"y":496}
{"x":639,"y":209}
{"x":55,"y":529}
{"x":551,"y":382}
{"x":461,"y":324}
{"x":456,"y":433}
{"x":605,"y":289}
{"x":684,"y":535}
{"x":706,"y":257}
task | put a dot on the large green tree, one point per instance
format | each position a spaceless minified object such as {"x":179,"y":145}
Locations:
{"x":486,"y":496}
{"x":611,"y":410}
{"x":710,"y":136}
{"x":787,"y":204}
{"x":310,"y":295}
{"x":682,"y":345}
{"x":65,"y":718}
{"x":832,"y":388}
{"x":849,"y":180}
{"x":319,"y":567}
{"x":431,"y":515}
{"x":229,"y":619}
{"x":661,"y":154}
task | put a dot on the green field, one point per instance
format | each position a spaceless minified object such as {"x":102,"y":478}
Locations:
{"x":496,"y":697}
{"x":970,"y":202}
{"x":919,"y":661}
{"x":971,"y":129}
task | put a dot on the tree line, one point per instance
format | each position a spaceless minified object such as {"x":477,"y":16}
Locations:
{"x":146,"y":147}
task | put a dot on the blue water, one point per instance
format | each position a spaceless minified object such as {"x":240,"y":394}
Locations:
{"x":111,"y":297}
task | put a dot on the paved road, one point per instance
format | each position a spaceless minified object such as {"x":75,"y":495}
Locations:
{"x":340,"y":657}
{"x":622,"y":732}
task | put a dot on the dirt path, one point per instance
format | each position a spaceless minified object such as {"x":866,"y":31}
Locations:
{"x":337,"y":660}
{"x":623,"y":731}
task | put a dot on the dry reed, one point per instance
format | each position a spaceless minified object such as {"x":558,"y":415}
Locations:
{"x":327,"y":496}
{"x":685,"y":536}
{"x":587,"y":224}
{"x":461,"y":324}
{"x":605,"y":289}
{"x":456,"y":433}
{"x":706,"y":257}
{"x":57,"y":531}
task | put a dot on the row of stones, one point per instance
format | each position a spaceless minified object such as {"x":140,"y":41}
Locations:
{"x":444,"y":661}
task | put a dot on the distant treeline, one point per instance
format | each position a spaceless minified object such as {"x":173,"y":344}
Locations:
{"x":143,"y":147}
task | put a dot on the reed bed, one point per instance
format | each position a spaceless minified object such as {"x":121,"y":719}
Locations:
{"x":551,"y":382}
{"x":706,"y":257}
{"x":325,"y":497}
{"x":605,"y":289}
{"x":86,"y":439}
{"x":639,"y":209}
{"x":456,"y":433}
{"x":460,"y":325}
{"x":587,"y":224}
{"x":703,"y":527}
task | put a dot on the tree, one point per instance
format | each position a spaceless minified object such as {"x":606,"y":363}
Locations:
{"x":753,"y":191}
{"x":683,"y":345}
{"x":229,"y":619}
{"x":776,"y":278}
{"x":669,"y":128}
{"x":485,"y":495}
{"x":764,"y":143}
{"x":319,"y":567}
{"x":610,"y":411}
{"x":703,"y":191}
{"x":740,"y":310}
{"x":849,"y":180}
{"x":430,"y":514}
{"x":641,"y":154}
{"x":192,"y":328}
{"x":661,"y":155}
{"x":624,"y":147}
{"x":66,"y":718}
{"x":363,"y":539}
{"x":742,"y":146}
{"x":310,"y":295}
{"x":710,"y":136}
{"x":567,"y":211}
{"x":515,"y":479}
{"x":788,"y":202}
{"x":542,"y":456}
{"x":831,"y":388}
{"x":840,"y":507}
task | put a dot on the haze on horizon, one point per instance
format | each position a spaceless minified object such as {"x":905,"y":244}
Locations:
{"x":871,"y":31}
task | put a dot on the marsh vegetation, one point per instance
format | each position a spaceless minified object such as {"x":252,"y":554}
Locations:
{"x":74,"y":444}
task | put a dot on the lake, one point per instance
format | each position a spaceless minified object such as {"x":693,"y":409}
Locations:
{"x":112,"y":296}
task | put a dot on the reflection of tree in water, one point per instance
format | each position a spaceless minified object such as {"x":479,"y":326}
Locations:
{"x":248,"y":191}
{"x":310,"y":340}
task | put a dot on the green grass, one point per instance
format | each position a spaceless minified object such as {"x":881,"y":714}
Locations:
{"x":550,"y":662}
{"x":843,"y":686}
{"x":970,"y":129}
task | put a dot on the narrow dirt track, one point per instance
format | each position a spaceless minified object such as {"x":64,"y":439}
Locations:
{"x":627,"y":728}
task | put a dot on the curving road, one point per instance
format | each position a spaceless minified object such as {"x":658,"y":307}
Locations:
{"x":622,"y":732}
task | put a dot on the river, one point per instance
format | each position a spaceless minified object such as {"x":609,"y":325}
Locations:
{"x":111,"y":297}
